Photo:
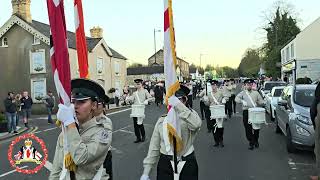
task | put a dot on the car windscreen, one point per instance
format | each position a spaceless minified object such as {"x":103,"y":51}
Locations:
{"x":304,"y":97}
{"x":277,"y":92}
{"x":269,"y":86}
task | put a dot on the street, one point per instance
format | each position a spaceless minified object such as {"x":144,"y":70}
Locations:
{"x":233,"y":162}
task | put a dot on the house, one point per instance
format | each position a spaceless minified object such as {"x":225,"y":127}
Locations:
{"x":182,"y":65}
{"x":25,"y":57}
{"x":301,"y":56}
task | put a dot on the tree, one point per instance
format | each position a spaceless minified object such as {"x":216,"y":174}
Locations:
{"x":250,"y":63}
{"x":280,"y":30}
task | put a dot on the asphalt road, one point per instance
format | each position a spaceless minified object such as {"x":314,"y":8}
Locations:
{"x":233,"y":162}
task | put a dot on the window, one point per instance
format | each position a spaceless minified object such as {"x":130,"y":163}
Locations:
{"x":287,"y":54}
{"x":292,"y":51}
{"x":36,"y":40}
{"x":100,"y":66}
{"x":38,"y":89}
{"x":4,"y":42}
{"x":117,"y":68}
{"x":38,"y":61}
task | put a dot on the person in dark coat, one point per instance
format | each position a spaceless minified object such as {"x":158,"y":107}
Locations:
{"x":315,"y":107}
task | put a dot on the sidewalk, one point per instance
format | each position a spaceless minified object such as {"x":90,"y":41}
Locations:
{"x":6,"y":135}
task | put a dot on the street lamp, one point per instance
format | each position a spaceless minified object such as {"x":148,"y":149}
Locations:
{"x":155,"y":47}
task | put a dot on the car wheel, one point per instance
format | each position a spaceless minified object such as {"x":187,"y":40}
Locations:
{"x":277,"y":129}
{"x":271,"y":117}
{"x":290,"y":146}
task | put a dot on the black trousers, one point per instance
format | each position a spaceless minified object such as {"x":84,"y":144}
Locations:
{"x":107,"y":164}
{"x":233,"y":102}
{"x":202,"y":109}
{"x":189,"y":171}
{"x":218,"y":135}
{"x":190,"y":100}
{"x":251,"y":134}
{"x":138,"y":129}
{"x":228,"y":108}
{"x":207,"y":115}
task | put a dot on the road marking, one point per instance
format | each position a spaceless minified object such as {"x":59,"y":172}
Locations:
{"x":48,"y":165}
{"x":118,"y":111}
{"x":10,"y":172}
{"x":126,"y":131}
{"x":121,"y":129}
{"x":50,"y":129}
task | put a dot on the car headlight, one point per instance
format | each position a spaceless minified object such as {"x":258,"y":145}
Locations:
{"x":303,"y":119}
{"x":302,"y":131}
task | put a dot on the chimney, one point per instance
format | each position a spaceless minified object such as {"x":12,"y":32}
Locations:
{"x":21,"y":8}
{"x":96,"y":32}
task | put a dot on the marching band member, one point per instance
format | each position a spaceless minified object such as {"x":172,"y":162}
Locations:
{"x":233,"y":86}
{"x":227,"y":94}
{"x":249,"y":98}
{"x":215,"y":98}
{"x":89,"y":142}
{"x":204,"y":98}
{"x":190,"y":125}
{"x":101,"y":116}
{"x":139,"y":97}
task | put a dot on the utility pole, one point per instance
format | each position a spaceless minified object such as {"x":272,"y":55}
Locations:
{"x":155,"y":46}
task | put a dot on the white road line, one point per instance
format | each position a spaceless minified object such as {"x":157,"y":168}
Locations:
{"x":10,"y":172}
{"x":48,"y":165}
{"x":121,"y":129}
{"x":126,"y":131}
{"x":49,"y":129}
{"x":118,"y":111}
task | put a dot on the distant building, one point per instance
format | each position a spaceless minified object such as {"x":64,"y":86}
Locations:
{"x":25,"y":57}
{"x":301,"y":56}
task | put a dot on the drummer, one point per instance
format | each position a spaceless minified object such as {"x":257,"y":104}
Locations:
{"x":203,"y":95}
{"x":247,"y":102}
{"x":215,"y":97}
{"x":190,"y":124}
{"x":141,"y":96}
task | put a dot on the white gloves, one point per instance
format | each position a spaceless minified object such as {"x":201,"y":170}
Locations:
{"x":66,"y":114}
{"x":173,"y":100}
{"x":144,"y":177}
{"x":146,"y":102}
{"x":244,"y":103}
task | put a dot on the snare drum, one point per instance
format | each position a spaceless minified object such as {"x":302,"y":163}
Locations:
{"x":217,"y":111}
{"x":137,"y":110}
{"x":257,"y":115}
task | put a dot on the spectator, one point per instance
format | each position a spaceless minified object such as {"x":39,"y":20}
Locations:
{"x":11,"y":109}
{"x":18,"y":104}
{"x":26,"y":104}
{"x":315,"y":118}
{"x":49,"y":101}
{"x":117,"y":97}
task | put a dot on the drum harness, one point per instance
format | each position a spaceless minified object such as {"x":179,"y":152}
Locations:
{"x":215,"y":101}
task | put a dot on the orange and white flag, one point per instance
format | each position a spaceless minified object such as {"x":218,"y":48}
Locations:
{"x":171,"y":122}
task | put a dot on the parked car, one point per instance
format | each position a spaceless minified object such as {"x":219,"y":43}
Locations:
{"x":272,"y":100}
{"x":268,"y":85}
{"x":292,"y":116}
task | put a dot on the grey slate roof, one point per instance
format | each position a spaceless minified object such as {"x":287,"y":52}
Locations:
{"x":116,"y":54}
{"x":91,"y":42}
{"x":145,"y":70}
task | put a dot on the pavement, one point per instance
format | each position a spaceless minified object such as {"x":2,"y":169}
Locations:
{"x":233,"y":162}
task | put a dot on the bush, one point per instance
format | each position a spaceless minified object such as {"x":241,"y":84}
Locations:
{"x":2,"y":118}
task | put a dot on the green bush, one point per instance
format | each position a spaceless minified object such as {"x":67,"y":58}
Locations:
{"x":2,"y":118}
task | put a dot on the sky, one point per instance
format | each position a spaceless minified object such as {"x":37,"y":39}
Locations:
{"x":217,"y":31}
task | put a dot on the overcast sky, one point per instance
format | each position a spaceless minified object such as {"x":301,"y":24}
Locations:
{"x":221,"y":30}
